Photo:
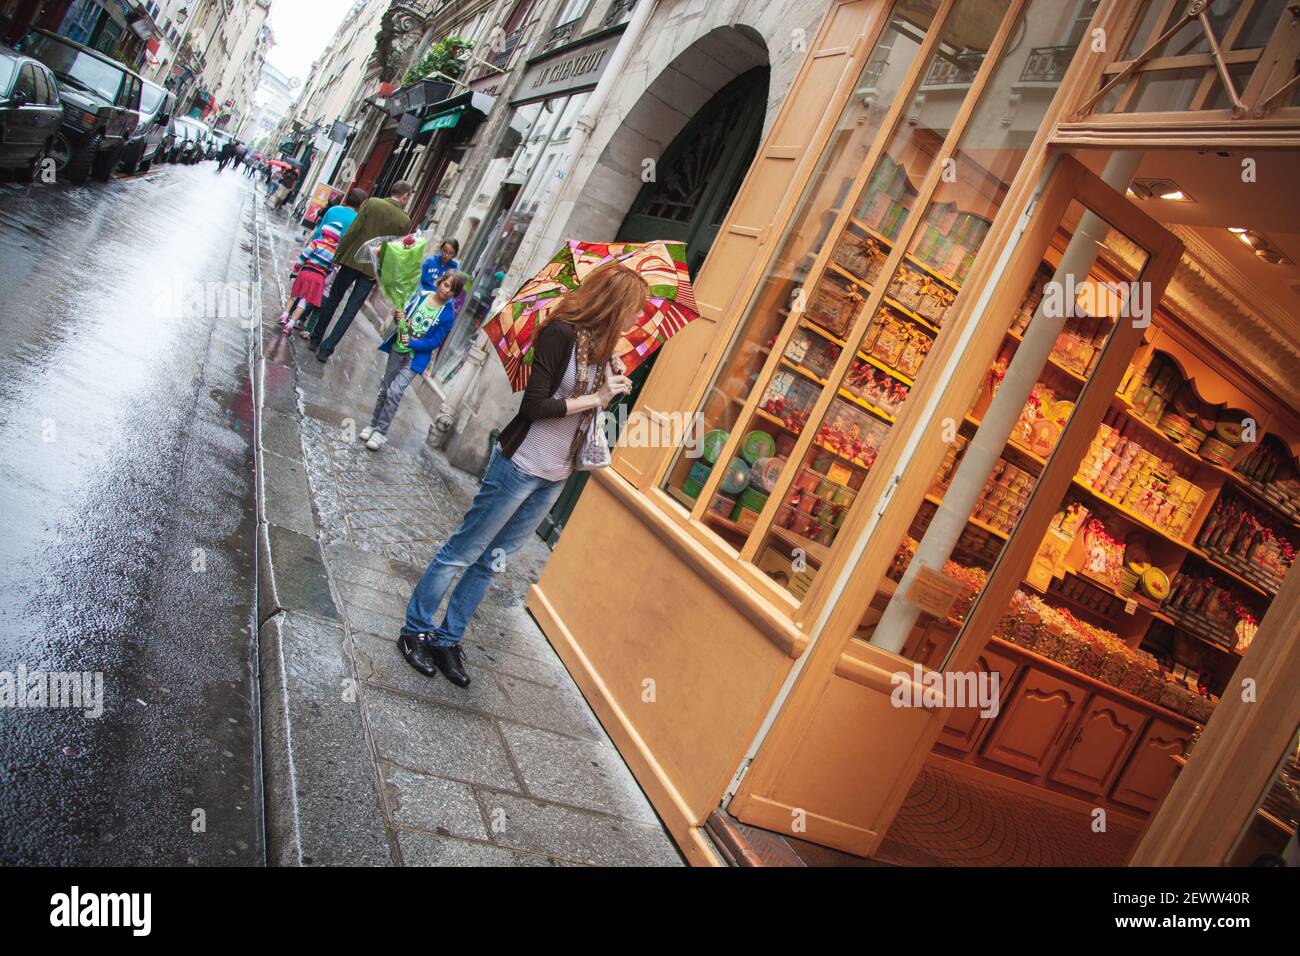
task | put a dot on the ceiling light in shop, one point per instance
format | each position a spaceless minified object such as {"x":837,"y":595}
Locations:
{"x":1271,"y":255}
{"x":1165,"y":189}
{"x":1258,"y":245}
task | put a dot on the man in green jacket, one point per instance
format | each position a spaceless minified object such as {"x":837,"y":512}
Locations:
{"x":377,"y":217}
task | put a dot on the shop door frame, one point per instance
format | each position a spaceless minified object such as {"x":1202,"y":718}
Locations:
{"x":770,"y":792}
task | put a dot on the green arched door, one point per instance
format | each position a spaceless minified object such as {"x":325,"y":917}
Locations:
{"x":695,"y":182}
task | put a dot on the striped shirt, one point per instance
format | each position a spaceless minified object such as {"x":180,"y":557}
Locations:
{"x":546,"y":450}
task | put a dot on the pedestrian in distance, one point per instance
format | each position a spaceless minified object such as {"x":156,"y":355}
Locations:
{"x":574,"y":372}
{"x":356,"y":276}
{"x":223,"y":158}
{"x":288,"y":180}
{"x":241,"y":152}
{"x":421,"y":328}
{"x":317,"y":258}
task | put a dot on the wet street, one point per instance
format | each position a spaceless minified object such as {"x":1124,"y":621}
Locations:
{"x":127,"y":502}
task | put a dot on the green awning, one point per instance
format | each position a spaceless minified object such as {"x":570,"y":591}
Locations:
{"x":443,"y":120}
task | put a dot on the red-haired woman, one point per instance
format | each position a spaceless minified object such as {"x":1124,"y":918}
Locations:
{"x":574,"y":371}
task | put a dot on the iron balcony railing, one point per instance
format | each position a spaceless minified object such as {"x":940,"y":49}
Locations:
{"x":1047,"y":64}
{"x":619,"y":10}
{"x":501,"y":57}
{"x":563,"y":33}
{"x":956,"y":70}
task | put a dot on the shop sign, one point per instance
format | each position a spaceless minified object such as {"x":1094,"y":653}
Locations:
{"x":445,"y":121}
{"x":934,"y":592}
{"x":340,"y":131}
{"x":408,"y":127}
{"x":574,"y":71}
{"x":322,"y":197}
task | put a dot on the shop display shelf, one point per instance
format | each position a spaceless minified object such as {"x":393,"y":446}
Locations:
{"x":1219,"y":564}
{"x":879,"y":237}
{"x":1154,"y":430}
{"x":683,"y":499}
{"x":773,"y":420}
{"x":910,"y":315}
{"x":843,"y":393}
{"x":1065,"y":370}
{"x":1133,"y":517}
{"x":1052,"y":362}
{"x":805,"y":372}
{"x":1140,"y":603}
{"x":844,"y":273}
{"x":869,"y":359}
{"x":1199,"y":629}
{"x":862,"y":403}
{"x":1015,"y":446}
{"x":1124,"y":512}
{"x":817,"y":553}
{"x":1257,"y":494}
{"x":931,"y":271}
{"x":724,"y":524}
{"x":972,"y":520}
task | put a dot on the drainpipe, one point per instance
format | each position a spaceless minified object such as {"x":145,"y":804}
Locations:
{"x":990,"y":440}
{"x":445,"y":423}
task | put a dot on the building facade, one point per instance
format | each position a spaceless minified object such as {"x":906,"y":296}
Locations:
{"x":273,"y":99}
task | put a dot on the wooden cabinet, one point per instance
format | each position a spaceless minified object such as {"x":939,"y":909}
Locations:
{"x":965,"y":728}
{"x":1150,"y":771}
{"x":1101,"y":742}
{"x":1032,"y":727}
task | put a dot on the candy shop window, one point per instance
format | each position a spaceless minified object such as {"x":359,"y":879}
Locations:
{"x":832,"y":351}
{"x":878,"y":86}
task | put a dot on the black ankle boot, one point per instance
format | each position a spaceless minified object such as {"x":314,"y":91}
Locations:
{"x":449,"y":661}
{"x":415,"y":648}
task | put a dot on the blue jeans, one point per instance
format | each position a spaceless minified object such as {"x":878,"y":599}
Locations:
{"x":507,"y":509}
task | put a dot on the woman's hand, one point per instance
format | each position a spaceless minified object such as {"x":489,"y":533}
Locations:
{"x":614,"y":386}
{"x":617,"y":365}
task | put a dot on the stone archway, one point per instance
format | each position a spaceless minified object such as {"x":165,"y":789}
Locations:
{"x":660,"y":111}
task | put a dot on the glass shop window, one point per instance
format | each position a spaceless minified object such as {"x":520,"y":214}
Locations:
{"x":828,"y":190}
{"x":817,"y":315}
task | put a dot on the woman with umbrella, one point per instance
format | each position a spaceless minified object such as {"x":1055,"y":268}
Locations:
{"x":574,"y":372}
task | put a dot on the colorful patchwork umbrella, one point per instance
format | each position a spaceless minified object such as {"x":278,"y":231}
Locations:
{"x":670,"y":306}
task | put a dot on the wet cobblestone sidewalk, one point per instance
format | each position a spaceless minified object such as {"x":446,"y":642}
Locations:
{"x":383,"y":765}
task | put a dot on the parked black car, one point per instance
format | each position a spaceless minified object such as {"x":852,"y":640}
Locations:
{"x":156,"y":105}
{"x":184,"y":142}
{"x":101,"y":105}
{"x":30,"y":113}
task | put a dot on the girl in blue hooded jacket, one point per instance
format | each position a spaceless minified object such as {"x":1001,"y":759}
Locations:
{"x":421,"y":329}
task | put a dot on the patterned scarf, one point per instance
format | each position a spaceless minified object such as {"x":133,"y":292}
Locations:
{"x":589,"y":379}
